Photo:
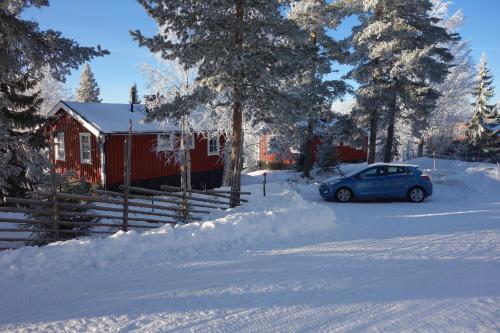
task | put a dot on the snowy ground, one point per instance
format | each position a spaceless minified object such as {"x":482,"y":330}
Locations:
{"x":285,"y":263}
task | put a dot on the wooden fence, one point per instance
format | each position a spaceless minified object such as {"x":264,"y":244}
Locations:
{"x":56,"y":216}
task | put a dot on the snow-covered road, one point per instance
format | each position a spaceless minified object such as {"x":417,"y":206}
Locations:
{"x":378,"y":267}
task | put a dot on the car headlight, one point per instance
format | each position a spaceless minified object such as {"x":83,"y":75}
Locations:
{"x":333,"y":182}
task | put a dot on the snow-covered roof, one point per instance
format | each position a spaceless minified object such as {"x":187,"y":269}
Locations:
{"x":107,"y":118}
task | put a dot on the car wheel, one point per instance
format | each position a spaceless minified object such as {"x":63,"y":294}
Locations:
{"x":416,"y":194}
{"x":343,"y":194}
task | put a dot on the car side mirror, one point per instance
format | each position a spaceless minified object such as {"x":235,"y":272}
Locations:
{"x":360,"y":177}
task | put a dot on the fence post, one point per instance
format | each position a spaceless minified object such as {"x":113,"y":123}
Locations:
{"x":264,"y":184}
{"x":184,"y":206}
{"x":55,"y":212}
{"x":126,"y":182}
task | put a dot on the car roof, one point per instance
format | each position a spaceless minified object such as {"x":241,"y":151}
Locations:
{"x":394,"y":164}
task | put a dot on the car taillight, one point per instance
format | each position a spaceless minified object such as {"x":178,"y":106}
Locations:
{"x":426,"y":177}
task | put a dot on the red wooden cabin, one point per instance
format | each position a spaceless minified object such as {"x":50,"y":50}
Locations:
{"x":89,"y":139}
{"x":287,"y":159}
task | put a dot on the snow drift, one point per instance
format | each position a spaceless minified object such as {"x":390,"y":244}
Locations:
{"x":283,"y":214}
{"x":474,"y":176}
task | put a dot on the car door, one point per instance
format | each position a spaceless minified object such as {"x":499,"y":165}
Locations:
{"x":368,"y":183}
{"x":395,"y":181}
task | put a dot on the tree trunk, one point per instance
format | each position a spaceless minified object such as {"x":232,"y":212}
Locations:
{"x":237,"y":139}
{"x":420,"y":151}
{"x":186,"y":169}
{"x":236,"y":154}
{"x":389,"y":141}
{"x":372,"y":150}
{"x":309,"y":149}
{"x":226,"y":173}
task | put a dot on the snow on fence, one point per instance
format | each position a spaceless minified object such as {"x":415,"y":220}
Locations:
{"x":61,"y":216}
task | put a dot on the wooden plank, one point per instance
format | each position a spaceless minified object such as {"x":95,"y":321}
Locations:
{"x":120,"y":210}
{"x":178,"y":189}
{"x":97,"y":232}
{"x":22,"y":221}
{"x":61,"y":231}
{"x":30,"y":202}
{"x":20,"y":239}
{"x":213,"y":191}
{"x":97,"y":208}
{"x":131,"y":211}
{"x":26,"y":221}
{"x":25,"y":210}
{"x":145,"y":197}
{"x":112,"y":201}
{"x":228,"y":192}
{"x":138,"y":189}
{"x":140,"y":212}
{"x":99,"y":224}
{"x":15,"y":230}
{"x":114,"y":217}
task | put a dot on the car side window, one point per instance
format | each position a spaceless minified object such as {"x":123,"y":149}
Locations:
{"x":372,"y":172}
{"x":396,"y":170}
{"x":382,"y":171}
{"x":392,"y":170}
{"x":404,"y":171}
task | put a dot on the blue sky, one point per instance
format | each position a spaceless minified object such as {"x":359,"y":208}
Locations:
{"x":107,"y":22}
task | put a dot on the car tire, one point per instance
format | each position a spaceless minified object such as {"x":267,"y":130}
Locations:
{"x":343,"y":194}
{"x":416,"y":194}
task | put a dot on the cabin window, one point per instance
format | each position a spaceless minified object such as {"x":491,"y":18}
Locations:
{"x":85,"y":152}
{"x":59,"y":151}
{"x":165,"y":142}
{"x":213,"y":146}
{"x":190,"y":142}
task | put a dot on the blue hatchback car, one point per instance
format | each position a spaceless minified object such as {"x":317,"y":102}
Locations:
{"x":379,"y":181}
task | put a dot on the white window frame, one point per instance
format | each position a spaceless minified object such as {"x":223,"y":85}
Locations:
{"x":163,"y":143}
{"x":82,"y":160}
{"x":213,"y":153}
{"x":59,"y":146}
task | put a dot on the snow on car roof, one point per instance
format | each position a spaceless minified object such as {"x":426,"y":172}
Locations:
{"x":396,"y":164}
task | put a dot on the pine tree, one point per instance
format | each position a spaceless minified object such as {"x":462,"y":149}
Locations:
{"x":244,"y":50}
{"x":25,"y":53}
{"x":399,"y":52}
{"x":317,"y":18}
{"x":480,"y":136}
{"x":327,"y":154}
{"x":88,"y":90}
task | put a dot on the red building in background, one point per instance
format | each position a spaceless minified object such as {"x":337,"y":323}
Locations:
{"x":269,"y":159}
{"x":89,"y":140}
